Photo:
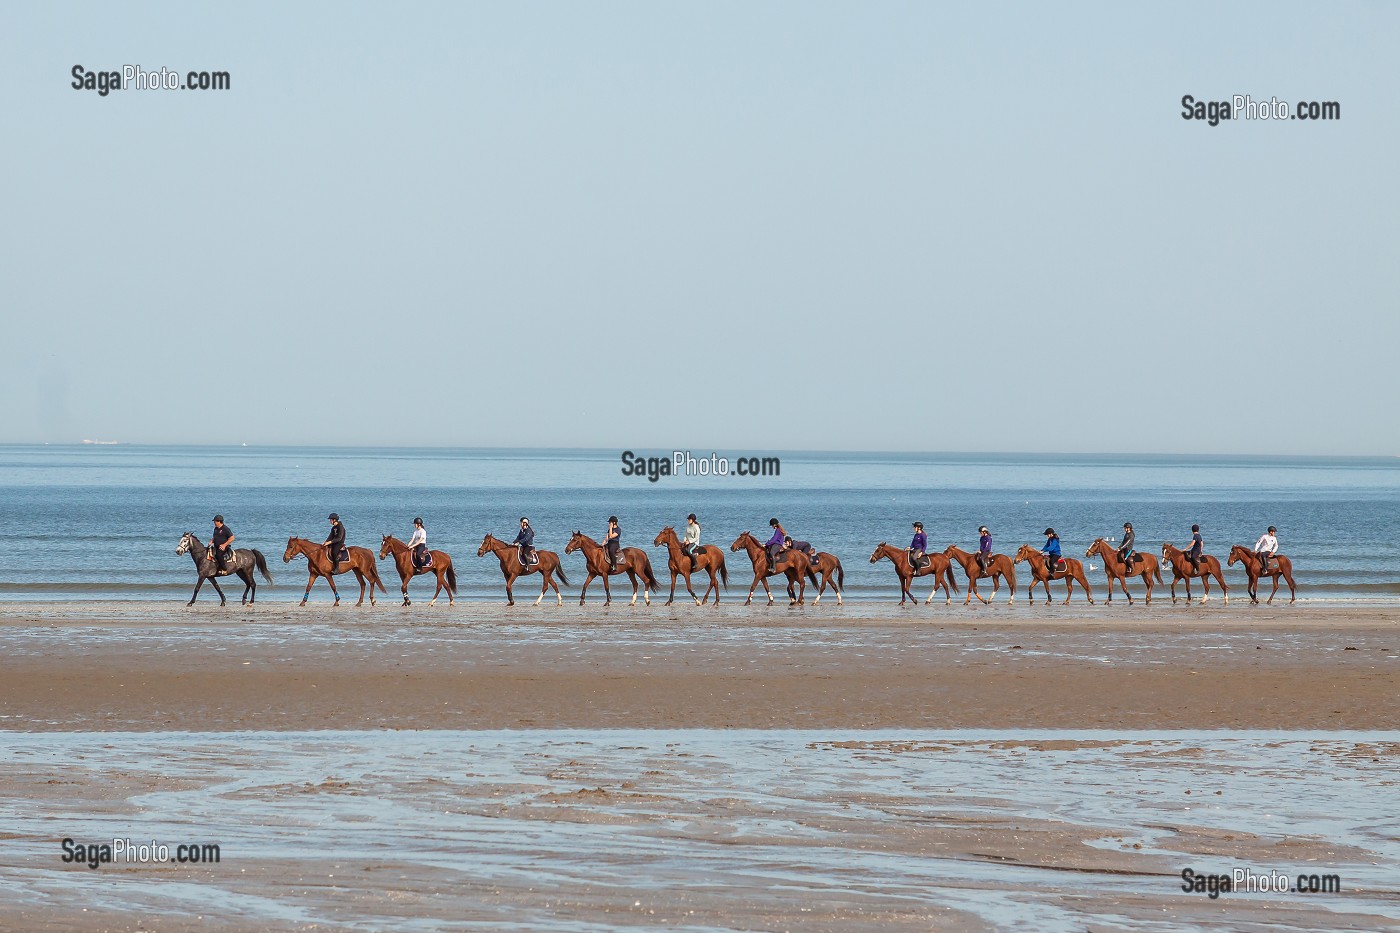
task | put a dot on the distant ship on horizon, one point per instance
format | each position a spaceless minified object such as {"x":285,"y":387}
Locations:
{"x":104,"y":443}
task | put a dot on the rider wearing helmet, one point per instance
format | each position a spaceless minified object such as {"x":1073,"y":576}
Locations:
{"x":984,"y":549}
{"x":1051,"y":551}
{"x":775,"y":543}
{"x":918,"y":546}
{"x":1266,"y":547}
{"x":335,"y":542}
{"x":219,"y":543}
{"x":1125,"y":550}
{"x":525,"y":540}
{"x":419,"y":544}
{"x":612,"y":540}
{"x":690,"y":547}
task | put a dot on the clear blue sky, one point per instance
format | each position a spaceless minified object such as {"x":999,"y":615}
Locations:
{"x":643,"y":216}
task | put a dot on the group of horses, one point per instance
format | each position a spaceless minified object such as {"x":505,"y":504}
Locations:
{"x":797,"y":568}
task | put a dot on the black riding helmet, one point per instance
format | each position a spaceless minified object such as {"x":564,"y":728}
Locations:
{"x":219,"y":519}
{"x":334,"y":517}
{"x":612,"y":519}
{"x":1195,"y":528}
{"x":1128,"y":525}
{"x":772,"y":523}
{"x":919,"y":525}
{"x":1049,"y":531}
{"x":524,"y":520}
{"x":1272,"y":529}
{"x":691,"y":517}
{"x":418,"y":521}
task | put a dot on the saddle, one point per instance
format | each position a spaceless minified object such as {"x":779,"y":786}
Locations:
{"x":520,"y":556}
{"x":921,"y":562}
{"x":1055,"y":566}
{"x":229,"y":561}
{"x":344,"y":555}
{"x":427,"y":561}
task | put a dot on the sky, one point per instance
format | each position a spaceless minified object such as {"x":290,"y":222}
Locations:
{"x":739,"y":226}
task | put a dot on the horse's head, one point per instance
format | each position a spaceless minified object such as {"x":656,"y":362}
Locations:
{"x":186,"y":542}
{"x":485,"y":545}
{"x":1167,"y":546}
{"x":292,"y":550}
{"x":740,"y":542}
{"x":879,"y":552}
{"x":950,"y":550}
{"x":1237,"y":552}
{"x":1024,"y":552}
{"x":1094,"y":547}
{"x":666,"y":536}
{"x":575,"y":542}
{"x":384,"y":549}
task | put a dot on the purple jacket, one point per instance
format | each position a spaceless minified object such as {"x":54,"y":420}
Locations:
{"x":777,"y":538}
{"x":920,"y":542}
{"x":985,"y":545}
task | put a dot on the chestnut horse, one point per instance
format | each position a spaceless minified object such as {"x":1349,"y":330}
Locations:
{"x":828,"y":565}
{"x":1281,"y":567}
{"x":1115,"y":569}
{"x":509,"y":556}
{"x":360,"y":563}
{"x":403,"y":561}
{"x":999,"y":566}
{"x":1041,"y":573}
{"x":707,"y":558}
{"x":632,"y":561}
{"x":939,"y":566}
{"x":1181,"y":570}
{"x":797,"y":568}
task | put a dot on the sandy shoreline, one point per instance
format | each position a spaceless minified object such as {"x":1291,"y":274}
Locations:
{"x":153,"y":667}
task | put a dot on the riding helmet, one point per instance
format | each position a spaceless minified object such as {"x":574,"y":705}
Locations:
{"x":983,"y":530}
{"x":218,"y":518}
{"x":418,"y":521}
{"x":1272,"y":529}
{"x":612,"y":519}
{"x":1127,"y":524}
{"x":919,"y":525}
{"x":334,"y":517}
{"x":1195,"y":528}
{"x":524,"y":520}
{"x":691,"y":517}
{"x":772,"y":523}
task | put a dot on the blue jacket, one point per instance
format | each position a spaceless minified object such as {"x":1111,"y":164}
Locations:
{"x":526,"y":537}
{"x":1052,"y":547}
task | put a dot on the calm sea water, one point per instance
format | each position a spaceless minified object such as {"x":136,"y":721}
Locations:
{"x":93,"y":522}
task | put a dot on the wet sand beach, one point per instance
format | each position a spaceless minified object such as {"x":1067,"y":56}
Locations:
{"x":857,"y":767}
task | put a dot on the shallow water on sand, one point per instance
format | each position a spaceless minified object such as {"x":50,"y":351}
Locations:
{"x":710,"y":829}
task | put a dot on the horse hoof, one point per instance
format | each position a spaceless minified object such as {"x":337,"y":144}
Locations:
{"x":191,"y":603}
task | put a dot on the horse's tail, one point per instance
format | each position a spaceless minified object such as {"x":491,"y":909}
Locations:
{"x":451,"y":580}
{"x":840,"y":576}
{"x":559,"y":568}
{"x":952,"y":577}
{"x":261,"y":563}
{"x":651,"y":576}
{"x":723,"y":571}
{"x":1157,"y":569}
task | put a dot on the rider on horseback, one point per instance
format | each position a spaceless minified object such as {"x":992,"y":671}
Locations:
{"x":419,"y":544}
{"x":335,"y":542}
{"x":1051,"y":552}
{"x":1266,"y":547}
{"x":1125,"y":550}
{"x":525,"y":540}
{"x":775,"y":544}
{"x":690,"y":547}
{"x":1197,"y":546}
{"x":612,"y":541}
{"x":918,"y":546}
{"x":984,"y":549}
{"x":220,"y":542}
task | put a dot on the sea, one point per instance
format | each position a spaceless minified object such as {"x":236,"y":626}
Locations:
{"x":101,"y":522}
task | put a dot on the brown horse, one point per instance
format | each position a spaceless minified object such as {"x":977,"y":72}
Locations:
{"x":1115,"y":569}
{"x":939,"y":566}
{"x":632,"y":561}
{"x":797,"y":568}
{"x":509,"y":556}
{"x":360,"y":563}
{"x":1281,"y":567}
{"x":1181,"y":570}
{"x":707,"y":558}
{"x":1041,"y":573}
{"x":827,"y":566}
{"x":999,"y":566}
{"x":403,"y":561}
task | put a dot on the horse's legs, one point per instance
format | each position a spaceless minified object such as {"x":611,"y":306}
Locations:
{"x":607,"y":591}
{"x":307,"y":595}
{"x":437,"y":590}
{"x":672,"y":598}
{"x":584,"y":592}
{"x":223,"y":600}
{"x":403,"y":585}
{"x":690,"y":589}
{"x":199,"y":582}
{"x":248,"y":584}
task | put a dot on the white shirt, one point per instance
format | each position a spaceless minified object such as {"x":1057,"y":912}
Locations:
{"x":692,"y":533}
{"x":420,"y":536}
{"x":1267,"y":543}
